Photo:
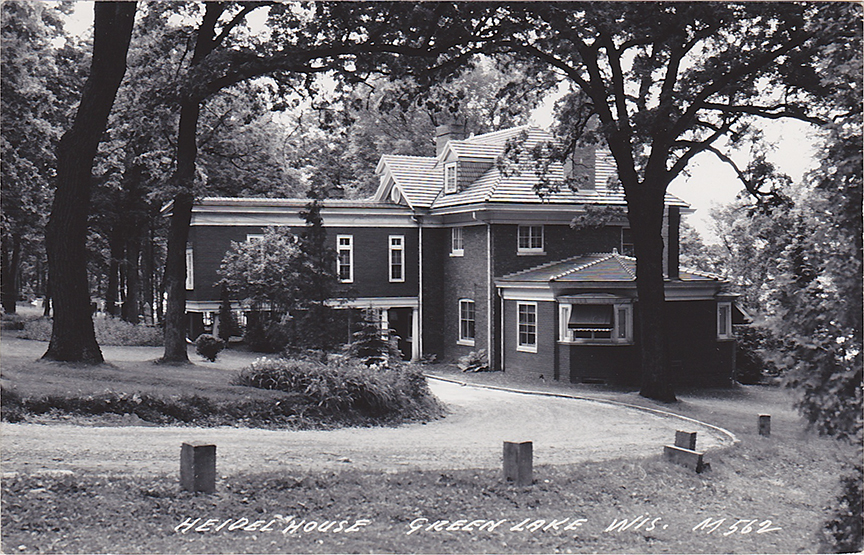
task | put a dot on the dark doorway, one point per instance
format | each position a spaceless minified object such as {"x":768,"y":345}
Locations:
{"x":400,"y":323}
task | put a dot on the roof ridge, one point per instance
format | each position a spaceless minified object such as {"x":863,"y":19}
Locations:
{"x":541,"y":266}
{"x":499,"y":131}
{"x":709,"y":275}
{"x":409,"y":156}
{"x":618,"y":258}
{"x":604,"y":257}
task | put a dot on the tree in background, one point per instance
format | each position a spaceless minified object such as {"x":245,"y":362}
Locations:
{"x":802,"y":264}
{"x":72,"y":335}
{"x":40,"y":85}
{"x":339,"y":142}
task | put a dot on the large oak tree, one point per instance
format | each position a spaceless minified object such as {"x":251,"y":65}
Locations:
{"x":669,"y":81}
{"x":346,"y":40}
{"x":72,"y":335}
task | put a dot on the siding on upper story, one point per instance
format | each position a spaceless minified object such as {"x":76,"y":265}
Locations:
{"x":371,"y":259}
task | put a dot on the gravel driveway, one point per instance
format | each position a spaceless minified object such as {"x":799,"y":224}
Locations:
{"x":563,"y":431}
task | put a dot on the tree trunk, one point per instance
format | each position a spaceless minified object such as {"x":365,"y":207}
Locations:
{"x":132,"y":305}
{"x":645,"y":212}
{"x":115,"y":246}
{"x":181,"y":214}
{"x":11,"y":265}
{"x":72,"y":335}
{"x":175,"y":280}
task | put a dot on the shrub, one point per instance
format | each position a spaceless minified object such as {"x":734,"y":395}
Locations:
{"x":264,"y":333}
{"x":109,"y":331}
{"x":474,"y":361}
{"x":844,"y":529}
{"x":751,"y":362}
{"x":208,"y":346}
{"x":344,"y":385}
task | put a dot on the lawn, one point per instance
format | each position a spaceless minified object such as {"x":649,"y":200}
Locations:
{"x":130,"y":381}
{"x":763,"y":495}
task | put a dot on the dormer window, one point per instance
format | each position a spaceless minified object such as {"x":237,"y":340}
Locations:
{"x":450,"y":185}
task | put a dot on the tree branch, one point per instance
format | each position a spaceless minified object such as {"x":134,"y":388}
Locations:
{"x":247,"y":7}
{"x":771,"y":112}
{"x":730,"y":76}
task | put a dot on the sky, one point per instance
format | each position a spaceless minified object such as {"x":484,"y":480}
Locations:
{"x":710,"y":182}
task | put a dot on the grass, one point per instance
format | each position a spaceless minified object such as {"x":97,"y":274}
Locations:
{"x":790,"y":478}
{"x":109,"y":331}
{"x":132,"y":383}
{"x":786,"y":482}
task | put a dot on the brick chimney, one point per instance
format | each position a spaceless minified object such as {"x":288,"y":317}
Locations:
{"x":444,"y":133}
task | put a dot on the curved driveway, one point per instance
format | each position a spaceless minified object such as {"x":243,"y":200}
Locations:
{"x":563,"y":431}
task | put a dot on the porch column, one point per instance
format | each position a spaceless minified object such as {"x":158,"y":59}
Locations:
{"x":415,"y":335}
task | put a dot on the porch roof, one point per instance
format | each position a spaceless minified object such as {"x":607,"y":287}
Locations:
{"x":596,"y":267}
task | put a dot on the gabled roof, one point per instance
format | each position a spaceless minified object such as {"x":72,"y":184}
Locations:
{"x":421,"y":180}
{"x":416,"y":177}
{"x":595,"y":267}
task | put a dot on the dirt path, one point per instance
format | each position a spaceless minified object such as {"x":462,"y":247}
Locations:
{"x":563,"y":431}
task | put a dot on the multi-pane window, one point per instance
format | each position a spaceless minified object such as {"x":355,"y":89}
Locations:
{"x":457,"y":246}
{"x":397,"y":258}
{"x":190,"y":276}
{"x":345,"y":258}
{"x":527,"y":327}
{"x":627,"y":248}
{"x":724,"y":320}
{"x":466,"y":322}
{"x":450,"y":185}
{"x":530,"y":239}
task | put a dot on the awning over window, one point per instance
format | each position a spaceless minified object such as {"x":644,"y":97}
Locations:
{"x":590,"y":317}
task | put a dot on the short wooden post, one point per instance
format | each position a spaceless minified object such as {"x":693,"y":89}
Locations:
{"x":685,"y":440}
{"x":765,"y":425}
{"x":519,"y":463}
{"x":198,"y":467}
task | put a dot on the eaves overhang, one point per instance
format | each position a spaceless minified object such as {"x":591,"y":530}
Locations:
{"x":225,"y":211}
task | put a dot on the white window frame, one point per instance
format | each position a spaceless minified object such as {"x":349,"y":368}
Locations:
{"x":457,"y":242}
{"x":397,"y":245}
{"x":349,"y":248}
{"x":250,"y":237}
{"x":464,"y":339}
{"x":526,"y":347}
{"x":529,"y":249}
{"x":451,"y":183}
{"x":724,"y":329}
{"x":618,"y":309}
{"x":190,"y":269}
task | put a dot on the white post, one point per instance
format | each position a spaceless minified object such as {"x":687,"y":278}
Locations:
{"x":415,"y":335}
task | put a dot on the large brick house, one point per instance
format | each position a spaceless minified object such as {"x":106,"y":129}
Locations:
{"x":458,"y":253}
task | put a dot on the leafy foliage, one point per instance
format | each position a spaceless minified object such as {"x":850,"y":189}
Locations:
{"x":844,"y":529}
{"x":292,"y":278}
{"x":42,"y":73}
{"x":345,"y":385}
{"x":227,"y":323}
{"x":109,"y":331}
{"x":475,"y":361}
{"x":209,"y":346}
